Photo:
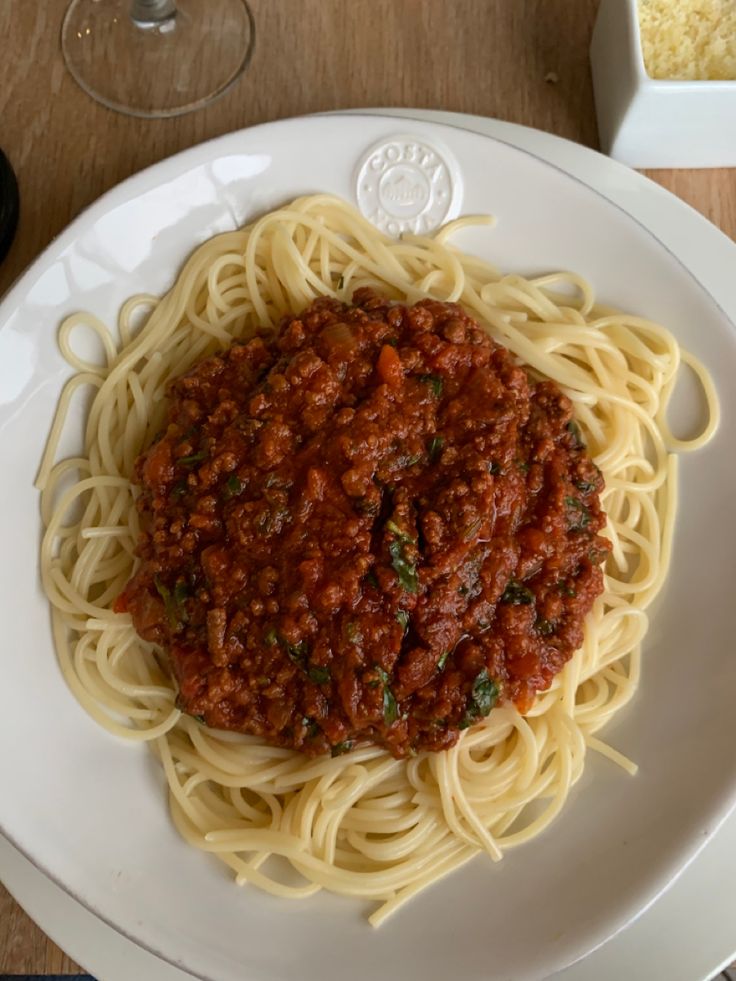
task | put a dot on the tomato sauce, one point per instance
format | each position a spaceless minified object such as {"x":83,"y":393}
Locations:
{"x":371,"y":526}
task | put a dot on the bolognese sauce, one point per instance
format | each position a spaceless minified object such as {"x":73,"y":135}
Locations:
{"x":371,"y":526}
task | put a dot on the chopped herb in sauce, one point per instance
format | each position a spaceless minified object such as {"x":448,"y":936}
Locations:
{"x":180,"y":596}
{"x":189,"y":461}
{"x":581,"y":518}
{"x":339,"y":748}
{"x":395,"y":530}
{"x":311,"y":727}
{"x":443,"y":660}
{"x":545,"y":627}
{"x":517,"y":595}
{"x":481,"y":700}
{"x":271,"y":637}
{"x":434,"y":382}
{"x":435,"y":447}
{"x":318,"y":674}
{"x":390,"y":708}
{"x":234,"y":486}
{"x":584,"y":486}
{"x":403,"y":567}
{"x":173,"y":602}
{"x":574,"y":430}
{"x":297,"y":652}
{"x":402,"y":617}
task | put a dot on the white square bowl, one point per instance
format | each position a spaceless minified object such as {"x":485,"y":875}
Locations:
{"x":647,"y":122}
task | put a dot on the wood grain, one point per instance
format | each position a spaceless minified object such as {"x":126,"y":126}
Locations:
{"x":491,"y":57}
{"x":24,"y":948}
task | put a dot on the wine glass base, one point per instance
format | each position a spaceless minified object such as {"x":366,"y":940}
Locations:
{"x":157,"y":68}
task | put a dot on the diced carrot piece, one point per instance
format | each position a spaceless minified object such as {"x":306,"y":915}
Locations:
{"x":389,"y":366}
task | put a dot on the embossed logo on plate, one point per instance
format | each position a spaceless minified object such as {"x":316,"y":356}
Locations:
{"x":406,"y":184}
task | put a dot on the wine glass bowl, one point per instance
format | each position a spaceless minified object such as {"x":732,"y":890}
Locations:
{"x":157,"y":58}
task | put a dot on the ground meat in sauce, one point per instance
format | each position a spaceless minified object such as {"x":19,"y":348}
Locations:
{"x":371,"y":527}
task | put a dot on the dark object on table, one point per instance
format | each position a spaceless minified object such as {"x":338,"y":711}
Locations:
{"x":9,"y":205}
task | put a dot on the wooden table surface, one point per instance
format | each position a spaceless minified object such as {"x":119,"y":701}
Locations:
{"x":491,"y":57}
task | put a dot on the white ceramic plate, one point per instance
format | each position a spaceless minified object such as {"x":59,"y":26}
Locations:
{"x":90,"y":811}
{"x":694,"y":913}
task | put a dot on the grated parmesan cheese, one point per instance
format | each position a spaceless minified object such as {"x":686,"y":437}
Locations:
{"x":689,"y":39}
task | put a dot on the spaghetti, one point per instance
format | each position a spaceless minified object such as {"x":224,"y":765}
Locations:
{"x":362,"y":824}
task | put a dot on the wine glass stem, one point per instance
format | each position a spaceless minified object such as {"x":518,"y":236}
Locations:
{"x":148,"y":13}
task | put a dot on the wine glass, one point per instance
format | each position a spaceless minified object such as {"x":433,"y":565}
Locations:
{"x":157,"y":58}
